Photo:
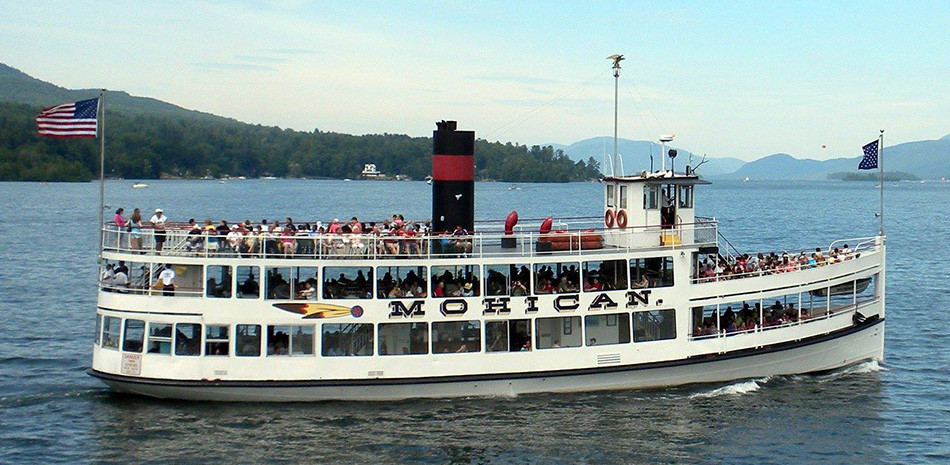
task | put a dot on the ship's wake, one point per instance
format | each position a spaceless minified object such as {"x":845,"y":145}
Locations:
{"x":735,"y":389}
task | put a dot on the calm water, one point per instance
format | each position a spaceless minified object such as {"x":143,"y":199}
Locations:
{"x":898,"y":412}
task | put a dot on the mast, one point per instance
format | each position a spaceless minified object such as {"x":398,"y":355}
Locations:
{"x":616,"y":59}
{"x":102,"y":157}
{"x":880,"y":171}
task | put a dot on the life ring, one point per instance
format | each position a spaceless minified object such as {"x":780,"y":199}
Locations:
{"x":622,"y":219}
{"x":609,"y":218}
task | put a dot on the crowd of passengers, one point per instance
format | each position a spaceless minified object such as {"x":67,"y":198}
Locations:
{"x":745,"y":265}
{"x":392,"y":236}
{"x":747,"y":318}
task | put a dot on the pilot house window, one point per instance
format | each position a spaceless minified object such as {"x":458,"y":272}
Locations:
{"x":651,"y":197}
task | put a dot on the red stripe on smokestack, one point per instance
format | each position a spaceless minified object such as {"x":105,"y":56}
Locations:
{"x":453,"y":168}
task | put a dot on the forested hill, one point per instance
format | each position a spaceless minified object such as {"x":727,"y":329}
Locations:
{"x":147,"y":138}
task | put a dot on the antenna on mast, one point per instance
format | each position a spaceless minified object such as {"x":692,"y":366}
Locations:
{"x":616,"y":59}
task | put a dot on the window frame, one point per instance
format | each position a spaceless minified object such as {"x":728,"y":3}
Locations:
{"x":227,"y":290}
{"x":239,"y":340}
{"x":217,"y":342}
{"x":154,"y":338}
{"x":114,"y":334}
{"x":665,"y":311}
{"x":384,"y":352}
{"x":125,"y":336}
{"x":199,"y":333}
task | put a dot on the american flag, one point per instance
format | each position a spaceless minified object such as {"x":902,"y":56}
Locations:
{"x":69,"y":119}
{"x":869,"y":162}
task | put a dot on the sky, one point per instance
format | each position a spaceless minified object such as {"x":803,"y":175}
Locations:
{"x":728,"y":78}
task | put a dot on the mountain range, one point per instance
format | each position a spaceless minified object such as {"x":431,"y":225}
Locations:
{"x":927,"y":159}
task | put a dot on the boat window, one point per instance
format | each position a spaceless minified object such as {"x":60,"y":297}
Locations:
{"x":133,"y":336}
{"x":347,"y":339}
{"x":685,"y":197}
{"x":249,"y":279}
{"x":651,"y":272}
{"x":508,"y":336}
{"x":786,"y":309}
{"x":218,"y":283}
{"x":610,"y":195}
{"x":559,"y":332}
{"x":217,"y":340}
{"x":865,"y":290}
{"x":623,"y":197}
{"x":291,"y":283}
{"x":247,"y":340}
{"x":455,"y":281}
{"x":348,"y":282}
{"x":704,"y":321}
{"x":556,"y":278}
{"x":290,"y":340}
{"x":654,"y":325}
{"x":607,"y":275}
{"x":456,"y":336}
{"x":651,"y":197}
{"x":304,"y":282}
{"x":513,"y":280}
{"x":187,"y":339}
{"x":396,"y":282}
{"x":98,"y":328}
{"x":276,"y":284}
{"x":611,"y":328}
{"x":110,"y":332}
{"x":403,"y":338}
{"x":742,"y":316}
{"x":159,"y":338}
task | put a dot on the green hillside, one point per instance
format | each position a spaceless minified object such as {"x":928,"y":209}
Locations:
{"x":148,"y":138}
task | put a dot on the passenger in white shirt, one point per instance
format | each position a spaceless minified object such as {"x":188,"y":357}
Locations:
{"x":167,"y":277}
{"x":158,"y":224}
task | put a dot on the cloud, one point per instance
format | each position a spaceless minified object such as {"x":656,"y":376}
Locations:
{"x":259,"y":59}
{"x":233,"y":66}
{"x":508,"y":77}
{"x":289,"y":51}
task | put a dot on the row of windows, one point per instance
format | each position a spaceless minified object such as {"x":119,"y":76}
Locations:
{"x":357,"y":339}
{"x":394,"y":282}
{"x":652,"y":194}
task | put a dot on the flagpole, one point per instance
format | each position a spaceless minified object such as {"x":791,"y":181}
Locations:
{"x":880,"y":165}
{"x":102,"y":162}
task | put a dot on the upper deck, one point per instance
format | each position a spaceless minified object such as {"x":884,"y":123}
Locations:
{"x":575,"y":236}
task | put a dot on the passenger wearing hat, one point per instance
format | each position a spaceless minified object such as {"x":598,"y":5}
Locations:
{"x":195,"y":239}
{"x":158,"y":225}
{"x":467,"y":290}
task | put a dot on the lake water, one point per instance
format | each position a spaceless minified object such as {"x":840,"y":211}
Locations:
{"x":895,"y":412}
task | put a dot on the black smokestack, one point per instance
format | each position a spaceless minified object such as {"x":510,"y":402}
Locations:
{"x":453,"y":177}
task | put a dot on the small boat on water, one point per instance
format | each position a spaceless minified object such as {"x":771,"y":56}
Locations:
{"x":139,"y":185}
{"x":646,"y":294}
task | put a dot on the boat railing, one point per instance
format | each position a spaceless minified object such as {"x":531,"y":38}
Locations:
{"x":803,"y":318}
{"x":566,"y":238}
{"x":862,"y":246}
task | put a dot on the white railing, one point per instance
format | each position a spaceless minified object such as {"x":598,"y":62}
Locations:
{"x":862,"y":246}
{"x":804,"y":318}
{"x":561,"y":241}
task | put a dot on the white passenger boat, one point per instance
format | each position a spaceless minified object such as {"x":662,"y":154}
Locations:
{"x":644,"y":296}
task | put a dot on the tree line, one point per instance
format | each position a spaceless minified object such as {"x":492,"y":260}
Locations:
{"x":154,"y":146}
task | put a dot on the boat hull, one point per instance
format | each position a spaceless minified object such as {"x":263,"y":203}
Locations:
{"x":855,"y":344}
